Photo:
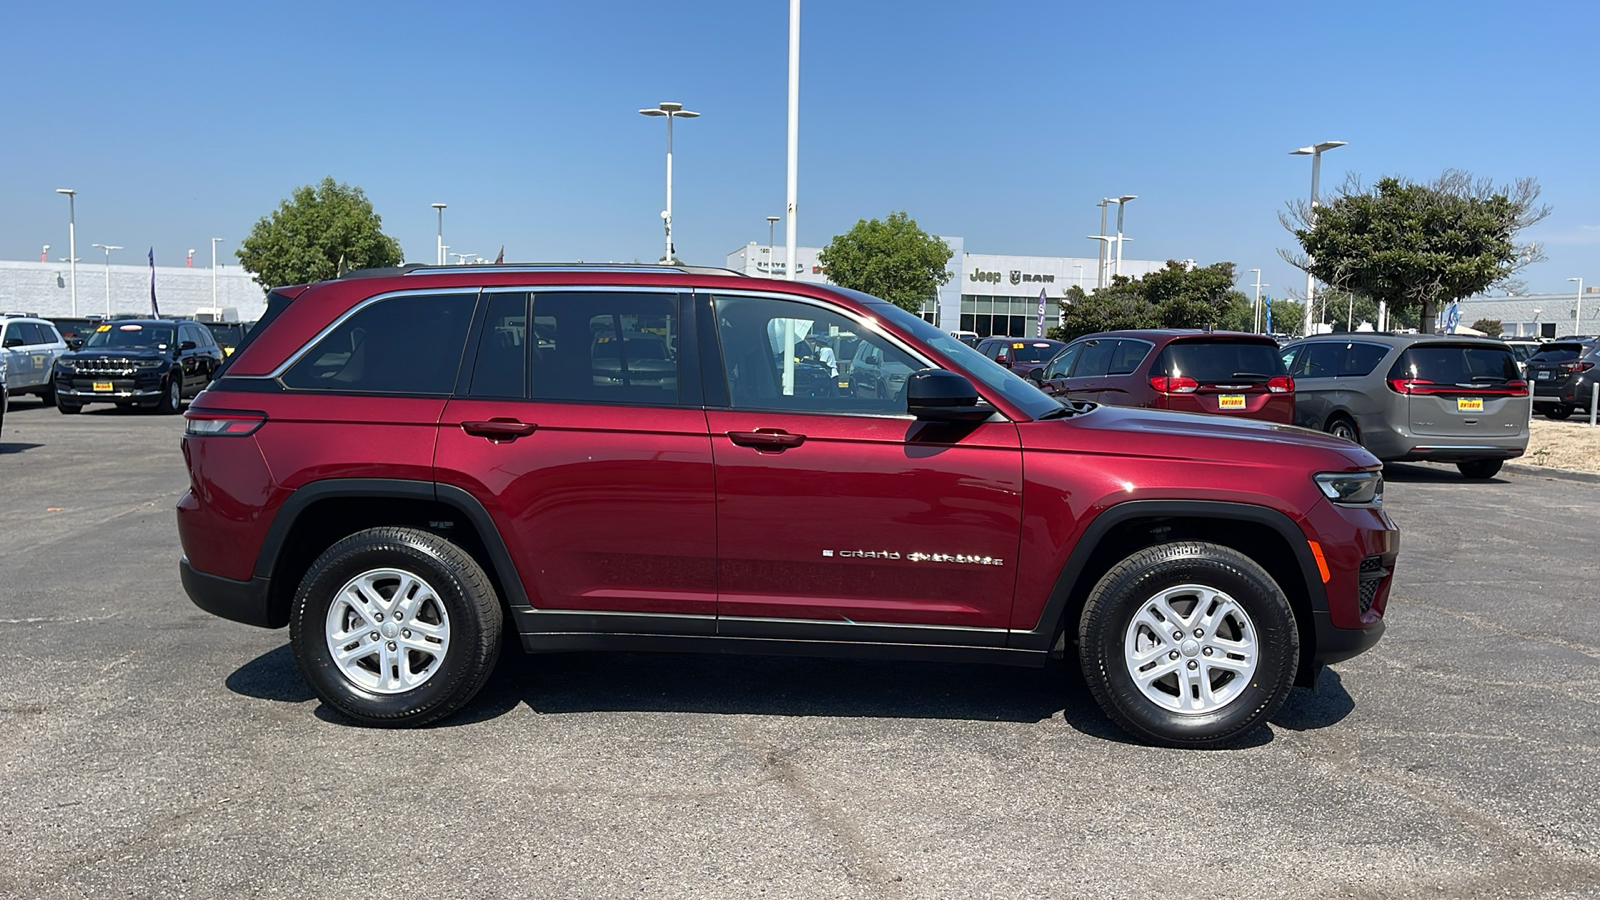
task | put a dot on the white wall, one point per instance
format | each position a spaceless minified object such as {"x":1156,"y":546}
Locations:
{"x":45,"y":288}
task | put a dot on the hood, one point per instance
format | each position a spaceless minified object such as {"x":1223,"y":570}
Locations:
{"x":117,"y":353}
{"x":1134,"y":431}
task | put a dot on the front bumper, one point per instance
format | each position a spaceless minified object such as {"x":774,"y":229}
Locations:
{"x":124,"y":394}
{"x":240,"y":601}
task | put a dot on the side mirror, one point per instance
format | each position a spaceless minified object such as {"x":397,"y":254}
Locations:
{"x":186,"y":345}
{"x":1036,"y":376}
{"x":1003,"y":360}
{"x":75,"y":344}
{"x":13,"y":342}
{"x":937,"y":395}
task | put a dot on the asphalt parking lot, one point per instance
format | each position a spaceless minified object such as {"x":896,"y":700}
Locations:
{"x":149,"y":749}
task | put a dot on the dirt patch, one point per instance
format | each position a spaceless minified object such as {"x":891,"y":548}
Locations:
{"x":1571,"y":444}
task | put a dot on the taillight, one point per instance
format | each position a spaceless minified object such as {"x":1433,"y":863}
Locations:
{"x":1175,"y":384}
{"x":1410,"y":385}
{"x":222,"y":422}
{"x":1584,"y":367}
{"x":1283,"y":384}
{"x":1517,"y":388}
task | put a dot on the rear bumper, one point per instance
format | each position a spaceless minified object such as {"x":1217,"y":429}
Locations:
{"x":1459,"y":452}
{"x":240,"y":601}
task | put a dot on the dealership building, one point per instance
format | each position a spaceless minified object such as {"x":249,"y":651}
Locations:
{"x":986,"y":293}
{"x":45,"y":288}
{"x":1538,"y":315}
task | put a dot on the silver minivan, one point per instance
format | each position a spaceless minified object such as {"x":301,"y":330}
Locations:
{"x":1443,"y":398}
{"x":30,"y":346}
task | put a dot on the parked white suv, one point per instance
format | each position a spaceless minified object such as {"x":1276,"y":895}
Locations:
{"x":30,"y":346}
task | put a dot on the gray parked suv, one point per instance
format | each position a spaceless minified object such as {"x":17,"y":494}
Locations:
{"x":30,"y":346}
{"x":1414,"y":396}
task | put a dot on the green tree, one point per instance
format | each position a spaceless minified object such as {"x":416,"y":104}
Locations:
{"x":1491,"y":327}
{"x":318,"y":233}
{"x":1111,"y":308}
{"x":1418,"y":246}
{"x":1173,"y":297}
{"x":892,"y":259}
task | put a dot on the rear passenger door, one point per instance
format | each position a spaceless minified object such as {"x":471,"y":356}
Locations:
{"x":578,"y":424}
{"x":1089,"y":372}
{"x":1315,"y":368}
{"x":1122,"y":385}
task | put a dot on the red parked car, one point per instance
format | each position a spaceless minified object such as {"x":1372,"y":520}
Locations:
{"x":640,"y":458}
{"x":1020,"y":355}
{"x":1228,"y":373}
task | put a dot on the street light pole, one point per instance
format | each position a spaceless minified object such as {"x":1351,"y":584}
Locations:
{"x":1577,"y":312}
{"x":439,"y":260}
{"x":107,"y":248}
{"x":1121,"y":203}
{"x":772,"y":222}
{"x":1256,"y":307}
{"x":214,"y":242}
{"x":669,"y":110}
{"x":1314,"y":151}
{"x":72,"y":242}
{"x":791,"y":228}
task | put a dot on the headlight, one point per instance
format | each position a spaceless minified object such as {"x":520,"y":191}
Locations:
{"x":148,"y":363}
{"x":1351,"y":488}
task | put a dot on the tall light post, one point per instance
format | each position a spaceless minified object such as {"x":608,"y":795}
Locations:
{"x":72,"y":242}
{"x":1122,"y":203}
{"x":214,"y":242}
{"x":1256,"y":307}
{"x":792,"y":179}
{"x":107,"y":248}
{"x":669,"y":110}
{"x":1314,"y":151}
{"x":772,"y":222}
{"x":440,"y":207}
{"x":44,"y":255}
{"x":1577,"y":312}
{"x":461,"y":258}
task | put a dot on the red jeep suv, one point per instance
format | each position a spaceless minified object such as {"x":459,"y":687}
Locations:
{"x":402,"y":462}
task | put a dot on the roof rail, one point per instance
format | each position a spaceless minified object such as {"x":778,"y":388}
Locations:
{"x":425,"y":269}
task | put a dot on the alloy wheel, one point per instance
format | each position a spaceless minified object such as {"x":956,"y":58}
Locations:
{"x":388,"y":631}
{"x":1191,"y":649}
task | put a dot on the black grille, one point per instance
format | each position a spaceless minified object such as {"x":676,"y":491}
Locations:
{"x":1373,"y":573}
{"x":104,"y":366}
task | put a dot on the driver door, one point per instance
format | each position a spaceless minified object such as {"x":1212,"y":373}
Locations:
{"x":838,"y":515}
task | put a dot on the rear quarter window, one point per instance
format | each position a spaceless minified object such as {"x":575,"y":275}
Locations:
{"x":410,"y":344}
{"x":1554,"y":353}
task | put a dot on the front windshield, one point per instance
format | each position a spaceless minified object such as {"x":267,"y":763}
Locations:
{"x":994,"y":376}
{"x":131,"y":335}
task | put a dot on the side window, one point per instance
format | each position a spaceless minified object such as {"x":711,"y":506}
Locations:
{"x":409,"y":344}
{"x":1061,"y":366}
{"x":186,"y":332}
{"x":1288,"y":357}
{"x":1319,"y":360}
{"x":500,"y":368}
{"x":1127,"y":357}
{"x":772,"y":360}
{"x":1096,"y":359}
{"x":604,"y":347}
{"x":29,"y":333}
{"x":1361,"y":359}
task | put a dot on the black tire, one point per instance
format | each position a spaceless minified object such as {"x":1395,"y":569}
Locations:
{"x":48,"y":395}
{"x":461,"y":588}
{"x":171,"y":396}
{"x":1123,"y":593}
{"x":1343,"y":427}
{"x":68,"y":407}
{"x":1557,"y":412}
{"x":1479,"y":468}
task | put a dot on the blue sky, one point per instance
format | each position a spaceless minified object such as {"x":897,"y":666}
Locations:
{"x":1003,"y":123}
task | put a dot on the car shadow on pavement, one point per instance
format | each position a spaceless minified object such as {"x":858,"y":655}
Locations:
{"x":17,"y":448}
{"x":784,"y":686}
{"x":1402,"y":473}
{"x":271,"y":676}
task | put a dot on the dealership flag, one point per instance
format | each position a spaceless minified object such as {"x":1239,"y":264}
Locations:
{"x":154,"y":309}
{"x":1041,"y":312}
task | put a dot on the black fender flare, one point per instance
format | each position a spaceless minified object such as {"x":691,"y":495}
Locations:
{"x":1044,"y":632}
{"x":398,"y":489}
